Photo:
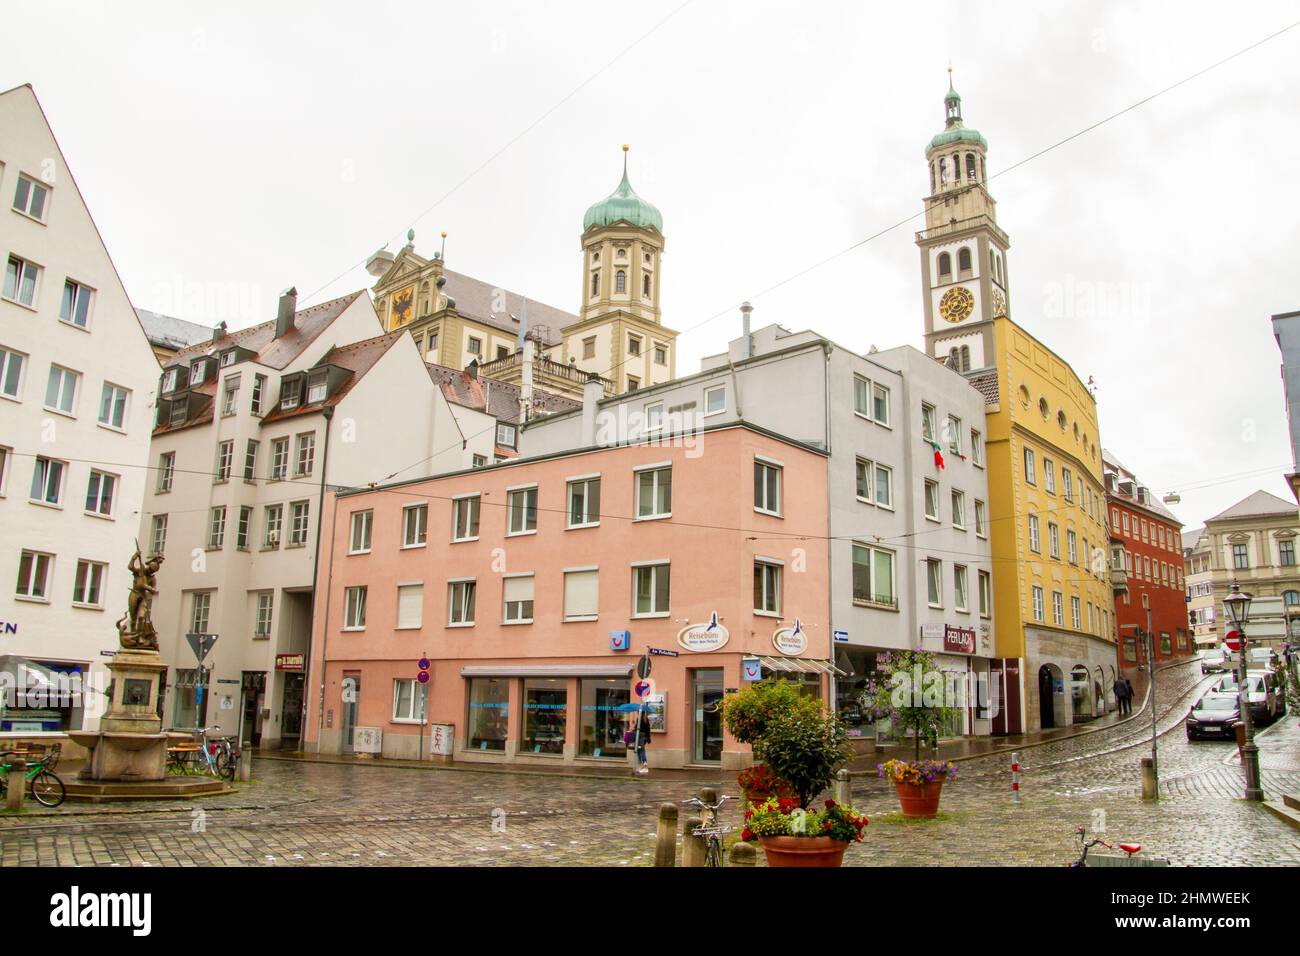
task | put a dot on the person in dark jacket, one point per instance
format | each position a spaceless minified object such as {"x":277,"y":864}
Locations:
{"x":642,"y":740}
{"x":1128,"y":698}
{"x":1121,"y":695}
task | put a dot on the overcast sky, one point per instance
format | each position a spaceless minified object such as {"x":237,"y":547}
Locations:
{"x":230,"y":151}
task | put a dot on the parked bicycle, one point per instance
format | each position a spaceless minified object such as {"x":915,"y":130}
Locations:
{"x":40,"y":777}
{"x":710,"y":829}
{"x":216,"y":756}
{"x":1086,"y":845}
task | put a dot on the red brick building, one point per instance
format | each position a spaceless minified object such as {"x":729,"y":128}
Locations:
{"x":1147,"y":569}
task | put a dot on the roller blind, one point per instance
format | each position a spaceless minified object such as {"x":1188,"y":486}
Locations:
{"x":410,"y":605}
{"x":519,"y":589}
{"x":580,"y":593}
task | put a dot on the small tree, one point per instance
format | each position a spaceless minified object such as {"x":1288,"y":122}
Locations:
{"x":749,"y":713}
{"x":805,"y":748}
{"x":911,"y":690}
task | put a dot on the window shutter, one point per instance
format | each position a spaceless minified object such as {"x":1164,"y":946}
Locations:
{"x":581,"y":593}
{"x":410,"y":605}
{"x":519,"y":589}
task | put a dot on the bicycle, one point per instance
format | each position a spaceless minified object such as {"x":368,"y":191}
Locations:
{"x":216,"y":756}
{"x":40,"y":777}
{"x":1082,"y":861}
{"x":710,"y":829}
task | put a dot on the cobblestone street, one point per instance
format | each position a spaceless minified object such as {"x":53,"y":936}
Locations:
{"x":304,"y":813}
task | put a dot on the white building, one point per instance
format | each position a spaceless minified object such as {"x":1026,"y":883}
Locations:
{"x":76,"y":389}
{"x":910,"y":558}
{"x":251,"y":429}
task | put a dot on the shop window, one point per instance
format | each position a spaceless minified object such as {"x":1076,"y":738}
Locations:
{"x":602,"y":721}
{"x":545,"y":715}
{"x":489,"y":713}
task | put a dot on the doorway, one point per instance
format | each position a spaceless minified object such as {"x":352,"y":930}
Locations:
{"x":254,"y":693}
{"x":351,"y":702}
{"x":291,"y":711}
{"x":1046,"y":704}
{"x":707,"y":713}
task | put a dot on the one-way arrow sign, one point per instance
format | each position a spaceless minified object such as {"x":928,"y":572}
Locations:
{"x":201,"y":644}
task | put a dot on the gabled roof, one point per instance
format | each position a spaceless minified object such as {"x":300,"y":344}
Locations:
{"x":358,"y":358}
{"x":498,"y":399}
{"x":169,"y":332}
{"x":1257,"y":505}
{"x":272,"y":352}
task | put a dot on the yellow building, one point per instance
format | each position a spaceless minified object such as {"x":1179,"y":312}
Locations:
{"x":617,"y":335}
{"x":1052,"y":598}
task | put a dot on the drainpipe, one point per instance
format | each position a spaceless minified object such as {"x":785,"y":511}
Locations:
{"x":833,"y":681}
{"x":328,"y":412}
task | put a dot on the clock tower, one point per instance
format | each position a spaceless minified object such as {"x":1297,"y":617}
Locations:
{"x":963,"y":252}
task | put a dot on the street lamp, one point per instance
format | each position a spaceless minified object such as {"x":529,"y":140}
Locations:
{"x":1238,"y":604}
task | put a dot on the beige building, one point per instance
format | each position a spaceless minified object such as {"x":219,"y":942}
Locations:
{"x":616,"y":336}
{"x":1252,"y":544}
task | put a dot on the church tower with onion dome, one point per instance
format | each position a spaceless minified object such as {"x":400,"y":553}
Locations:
{"x":619,"y":334}
{"x":963,"y":252}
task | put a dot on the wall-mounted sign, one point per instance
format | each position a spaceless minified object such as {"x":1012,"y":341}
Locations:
{"x":290,"y":662}
{"x":959,"y":640}
{"x":791,"y":640}
{"x":643,"y":687}
{"x":620,"y":640}
{"x":660,"y":652}
{"x":702,"y":638}
{"x":751,"y":669}
{"x":932,"y":631}
{"x":841,"y":637}
{"x":656,"y":711}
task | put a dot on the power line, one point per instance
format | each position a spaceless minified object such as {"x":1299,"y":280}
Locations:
{"x":518,"y":136}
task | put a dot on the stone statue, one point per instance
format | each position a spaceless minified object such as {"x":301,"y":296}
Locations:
{"x":135,"y":629}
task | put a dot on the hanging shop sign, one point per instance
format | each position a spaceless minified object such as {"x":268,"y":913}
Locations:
{"x":702,"y":638}
{"x":290,"y":662}
{"x":791,"y":641}
{"x":958,"y":640}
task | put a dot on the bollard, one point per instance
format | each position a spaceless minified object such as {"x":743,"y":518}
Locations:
{"x":743,"y":854}
{"x":246,"y":766}
{"x":844,"y":787}
{"x":708,"y":795}
{"x":1148,"y":779}
{"x":666,"y":836}
{"x":17,"y":783}
{"x":694,"y":848}
{"x":1015,"y":777}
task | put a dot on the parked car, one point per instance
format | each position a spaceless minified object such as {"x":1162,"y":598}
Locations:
{"x":1213,"y":716}
{"x":1212,"y":662}
{"x":1266,"y":701}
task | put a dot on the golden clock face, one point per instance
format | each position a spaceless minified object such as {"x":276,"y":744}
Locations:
{"x":957,"y":304}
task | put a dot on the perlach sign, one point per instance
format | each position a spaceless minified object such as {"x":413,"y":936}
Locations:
{"x":958,"y":640}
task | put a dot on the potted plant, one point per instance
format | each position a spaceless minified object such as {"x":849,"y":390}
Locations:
{"x":911,"y":691}
{"x":792,"y":835}
{"x":747,"y":715}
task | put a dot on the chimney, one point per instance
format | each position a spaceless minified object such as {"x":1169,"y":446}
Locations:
{"x":288,"y":306}
{"x":219,"y":332}
{"x":746,"y":346}
{"x":592,"y":392}
{"x":472,"y":368}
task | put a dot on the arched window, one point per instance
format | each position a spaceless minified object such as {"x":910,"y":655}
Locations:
{"x":956,"y":166}
{"x":620,"y":281}
{"x":595,"y":282}
{"x":963,"y":259}
{"x":965,"y":358}
{"x":645,"y":284}
{"x":943,"y":171}
{"x":970,"y":166}
{"x":982,"y":177}
{"x":932,"y":177}
{"x":945,"y":265}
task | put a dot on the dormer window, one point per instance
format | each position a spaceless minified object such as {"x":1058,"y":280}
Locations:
{"x":179,"y":412}
{"x":227,"y":358}
{"x":317,"y":387}
{"x":169,"y":380}
{"x":505,"y":435}
{"x":197,"y":372}
{"x":289,"y":394}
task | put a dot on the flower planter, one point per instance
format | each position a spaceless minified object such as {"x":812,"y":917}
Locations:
{"x":818,"y":851}
{"x":919,"y":799}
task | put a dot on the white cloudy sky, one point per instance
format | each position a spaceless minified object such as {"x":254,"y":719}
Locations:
{"x":230,"y":150}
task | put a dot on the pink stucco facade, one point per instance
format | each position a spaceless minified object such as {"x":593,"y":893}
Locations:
{"x":550,"y":690}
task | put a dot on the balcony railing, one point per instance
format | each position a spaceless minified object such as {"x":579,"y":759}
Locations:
{"x":498,"y":367}
{"x":962,"y":225}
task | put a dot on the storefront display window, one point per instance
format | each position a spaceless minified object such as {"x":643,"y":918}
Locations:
{"x":545,"y":713}
{"x":489,"y":713}
{"x":602,"y":722}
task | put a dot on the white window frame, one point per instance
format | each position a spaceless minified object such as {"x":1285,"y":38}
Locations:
{"x":25,"y":269}
{"x":520,"y":618}
{"x":960,"y":588}
{"x":415,"y":535}
{"x":89,"y":572}
{"x":263,"y":615}
{"x":216,"y":527}
{"x":770,"y":587}
{"x":927,"y":486}
{"x":981,"y":519}
{"x":519,"y":514}
{"x":708,"y":393}
{"x":41,"y":561}
{"x":763,"y":466}
{"x":354,"y":607}
{"x":9,"y":359}
{"x":64,"y":375}
{"x":106,"y":480}
{"x":466,"y":603}
{"x":656,"y":483}
{"x":934,"y":582}
{"x":299,"y":523}
{"x":1035,"y":535}
{"x":958,"y":501}
{"x":568,"y":572}
{"x":50,"y":464}
{"x":117,"y":400}
{"x":653,"y":568}
{"x":572,"y":486}
{"x":469,"y":506}
{"x":362,"y":521}
{"x":1037,"y":604}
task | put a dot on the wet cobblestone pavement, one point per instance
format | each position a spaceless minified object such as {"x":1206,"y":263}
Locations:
{"x":304,"y":813}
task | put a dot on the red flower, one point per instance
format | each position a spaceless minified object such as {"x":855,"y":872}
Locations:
{"x":747,"y":834}
{"x":830,"y":804}
{"x":749,"y":814}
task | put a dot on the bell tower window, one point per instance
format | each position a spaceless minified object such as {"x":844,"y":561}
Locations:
{"x":595,"y":282}
{"x":620,"y":281}
{"x":645,"y":284}
{"x":970,"y":166}
{"x":963,"y":259}
{"x":956,"y":166}
{"x":943,"y":171}
{"x":945,"y":266}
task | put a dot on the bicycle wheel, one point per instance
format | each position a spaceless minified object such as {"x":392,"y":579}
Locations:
{"x":225,"y":764}
{"x":48,"y":789}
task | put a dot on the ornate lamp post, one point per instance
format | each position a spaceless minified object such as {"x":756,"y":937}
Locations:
{"x":1238,"y":604}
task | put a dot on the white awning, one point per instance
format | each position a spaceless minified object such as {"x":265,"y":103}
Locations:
{"x":546,"y":670}
{"x":801,"y":665}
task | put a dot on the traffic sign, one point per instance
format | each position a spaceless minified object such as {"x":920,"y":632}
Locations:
{"x":1233,"y":640}
{"x":422,"y":677}
{"x":643,"y":687}
{"x":424,"y":664}
{"x":643,"y":667}
{"x":201,"y":644}
{"x":841,"y":637}
{"x":659,"y":652}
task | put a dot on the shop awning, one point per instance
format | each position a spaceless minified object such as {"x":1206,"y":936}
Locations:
{"x":546,"y":670}
{"x":801,"y":665}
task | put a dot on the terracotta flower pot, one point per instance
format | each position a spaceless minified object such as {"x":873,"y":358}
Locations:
{"x":919,"y":799}
{"x":803,"y":851}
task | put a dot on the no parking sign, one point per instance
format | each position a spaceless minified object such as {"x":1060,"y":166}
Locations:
{"x":643,"y":688}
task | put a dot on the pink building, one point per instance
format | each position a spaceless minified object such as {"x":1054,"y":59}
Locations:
{"x":533,"y":587}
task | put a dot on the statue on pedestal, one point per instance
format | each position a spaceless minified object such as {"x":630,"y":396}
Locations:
{"x":135,"y":629}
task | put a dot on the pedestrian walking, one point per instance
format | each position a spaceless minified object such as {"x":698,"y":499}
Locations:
{"x":1121,"y":696}
{"x":1128,"y":697}
{"x":641,"y":739}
